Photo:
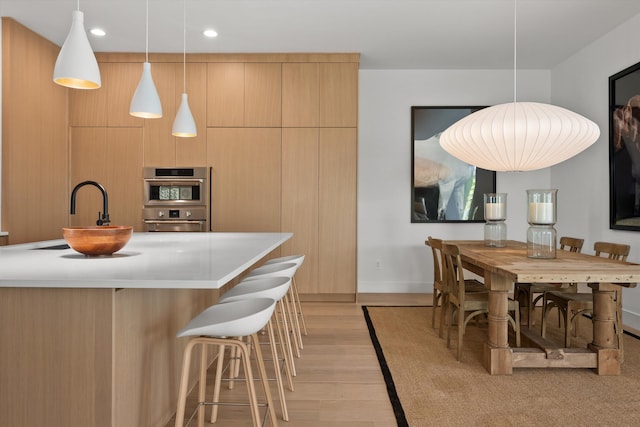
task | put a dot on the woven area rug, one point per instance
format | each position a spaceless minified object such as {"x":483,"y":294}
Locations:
{"x":428,"y":387}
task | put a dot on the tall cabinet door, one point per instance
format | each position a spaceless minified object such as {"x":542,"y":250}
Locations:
{"x":337,"y":221}
{"x":300,"y":202}
{"x":246,"y":176}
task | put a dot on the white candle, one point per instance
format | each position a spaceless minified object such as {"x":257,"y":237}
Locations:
{"x":494,"y":211}
{"x":541,"y":213}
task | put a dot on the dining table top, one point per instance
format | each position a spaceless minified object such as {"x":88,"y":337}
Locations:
{"x":512,"y":262}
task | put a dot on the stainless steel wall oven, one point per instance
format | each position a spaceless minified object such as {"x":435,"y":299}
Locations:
{"x":177,"y":199}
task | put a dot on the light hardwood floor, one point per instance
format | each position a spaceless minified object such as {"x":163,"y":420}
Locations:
{"x":338,"y":382}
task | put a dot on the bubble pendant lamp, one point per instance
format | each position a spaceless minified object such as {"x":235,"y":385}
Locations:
{"x":146,"y":102}
{"x":519,"y":136}
{"x":76,"y":66}
{"x":184,"y":125}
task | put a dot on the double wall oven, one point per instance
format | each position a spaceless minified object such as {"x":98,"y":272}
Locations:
{"x":176,"y":199}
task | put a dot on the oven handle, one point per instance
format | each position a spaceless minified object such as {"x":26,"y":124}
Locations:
{"x":160,"y":180}
{"x":175,"y":221}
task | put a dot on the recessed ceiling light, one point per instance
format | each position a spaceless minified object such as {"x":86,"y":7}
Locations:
{"x":98,"y":32}
{"x":210,"y":33}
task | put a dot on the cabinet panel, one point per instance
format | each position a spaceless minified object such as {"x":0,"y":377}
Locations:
{"x":159,"y":144}
{"x":337,"y":221}
{"x":300,"y":202}
{"x":89,"y":161}
{"x":109,"y":105}
{"x":300,"y":95}
{"x":225,"y":94}
{"x":124,"y":177}
{"x":121,"y":81}
{"x":263,"y":92}
{"x":245,"y":178}
{"x":113,"y":158}
{"x":339,"y":95}
{"x":34,"y":138}
{"x":89,"y":107}
{"x":192,"y":151}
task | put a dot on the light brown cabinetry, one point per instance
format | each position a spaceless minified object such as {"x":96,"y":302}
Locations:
{"x":113,"y":158}
{"x":246,"y":174}
{"x":109,"y":105}
{"x":244,"y":94}
{"x":34,"y":138}
{"x":300,"y":202}
{"x":338,"y":94}
{"x":337,"y":205}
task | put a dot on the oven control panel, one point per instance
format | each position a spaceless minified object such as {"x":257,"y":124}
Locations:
{"x":193,"y":213}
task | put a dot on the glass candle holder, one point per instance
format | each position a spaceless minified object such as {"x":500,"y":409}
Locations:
{"x":495,"y":214}
{"x":541,"y":236}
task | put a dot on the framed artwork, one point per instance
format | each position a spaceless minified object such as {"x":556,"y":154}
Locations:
{"x":624,"y":149}
{"x":443,"y":188}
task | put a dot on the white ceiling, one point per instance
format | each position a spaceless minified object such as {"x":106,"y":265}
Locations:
{"x":389,"y":34}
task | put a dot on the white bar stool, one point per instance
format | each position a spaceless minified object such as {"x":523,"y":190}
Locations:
{"x":282,"y":269}
{"x":295,"y":297}
{"x":274,"y":287}
{"x":220,"y":324}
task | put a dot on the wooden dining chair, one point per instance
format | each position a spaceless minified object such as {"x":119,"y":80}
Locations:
{"x":571,"y":305}
{"x":439,"y":285}
{"x":467,"y":305}
{"x":530,"y":294}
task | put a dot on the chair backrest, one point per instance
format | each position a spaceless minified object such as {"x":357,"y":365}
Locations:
{"x":571,"y":244}
{"x":438,"y":263}
{"x":454,"y":272}
{"x":615,"y":251}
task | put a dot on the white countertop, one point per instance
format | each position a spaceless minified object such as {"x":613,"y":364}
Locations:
{"x":149,"y":260}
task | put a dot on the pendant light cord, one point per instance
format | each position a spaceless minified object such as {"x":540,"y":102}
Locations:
{"x":515,"y":49}
{"x":146,"y":46}
{"x":184,"y":46}
{"x":78,"y":4}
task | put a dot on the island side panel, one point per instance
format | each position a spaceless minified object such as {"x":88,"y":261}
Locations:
{"x":55,"y":357}
{"x":148,"y":356}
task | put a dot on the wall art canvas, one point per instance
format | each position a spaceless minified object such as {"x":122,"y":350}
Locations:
{"x":443,"y":188}
{"x":624,"y":149}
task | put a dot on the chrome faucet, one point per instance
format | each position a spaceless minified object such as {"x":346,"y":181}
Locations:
{"x":103,"y":219}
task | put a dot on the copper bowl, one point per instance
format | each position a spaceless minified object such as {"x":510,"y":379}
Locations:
{"x":97,"y":240}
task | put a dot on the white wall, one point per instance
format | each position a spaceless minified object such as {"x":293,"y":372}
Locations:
{"x":385,"y":232}
{"x":581,"y":83}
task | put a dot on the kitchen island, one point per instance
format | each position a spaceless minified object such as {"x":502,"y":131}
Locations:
{"x":91,"y":341}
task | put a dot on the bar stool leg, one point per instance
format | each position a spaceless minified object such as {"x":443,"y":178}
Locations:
{"x":265,"y":380}
{"x":299,"y":305}
{"x":217,"y":383}
{"x":184,"y":383}
{"x":294,"y":319}
{"x":287,"y":340}
{"x":297,"y":345}
{"x":287,"y":370}
{"x":276,"y":367}
{"x":202,"y":384}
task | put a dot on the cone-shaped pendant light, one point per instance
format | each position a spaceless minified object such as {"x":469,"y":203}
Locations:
{"x":76,"y":66}
{"x":519,"y":136}
{"x":183,"y":124}
{"x":146,"y":102}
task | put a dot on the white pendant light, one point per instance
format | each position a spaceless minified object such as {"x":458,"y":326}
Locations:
{"x":76,"y":66}
{"x":184,"y":125}
{"x":146,"y":102}
{"x":519,"y":136}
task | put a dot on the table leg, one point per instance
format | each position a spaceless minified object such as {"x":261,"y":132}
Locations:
{"x":604,"y":337}
{"x":498,"y":357}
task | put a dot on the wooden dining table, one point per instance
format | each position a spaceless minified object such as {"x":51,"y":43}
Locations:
{"x":502,"y":267}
